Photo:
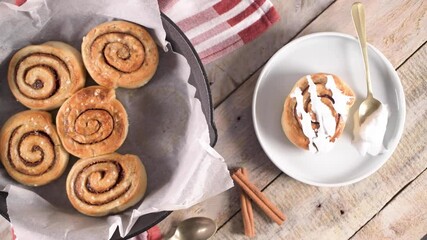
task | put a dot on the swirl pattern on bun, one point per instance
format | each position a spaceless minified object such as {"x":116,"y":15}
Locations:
{"x":92,"y":122}
{"x":43,"y":76}
{"x":315,"y":112}
{"x":120,"y":54}
{"x":106,"y":184}
{"x":30,"y":149}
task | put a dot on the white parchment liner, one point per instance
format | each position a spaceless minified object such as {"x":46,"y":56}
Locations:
{"x":168,"y":129}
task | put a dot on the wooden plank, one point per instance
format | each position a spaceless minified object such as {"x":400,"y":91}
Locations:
{"x":239,"y":146}
{"x":337,"y":213}
{"x":295,"y":14}
{"x":227,"y":73}
{"x":396,"y":27}
{"x":403,"y":218}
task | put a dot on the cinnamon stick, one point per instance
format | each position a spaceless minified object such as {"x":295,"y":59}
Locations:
{"x":259,"y":198}
{"x":247,"y":212}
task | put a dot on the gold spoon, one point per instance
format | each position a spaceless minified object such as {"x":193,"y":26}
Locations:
{"x":370,"y":104}
{"x":196,"y":228}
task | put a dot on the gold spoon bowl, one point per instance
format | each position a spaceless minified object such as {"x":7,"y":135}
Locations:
{"x":197,"y":228}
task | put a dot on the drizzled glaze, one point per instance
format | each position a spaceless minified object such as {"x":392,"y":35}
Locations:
{"x":320,"y":138}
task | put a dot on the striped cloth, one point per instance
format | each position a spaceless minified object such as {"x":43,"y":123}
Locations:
{"x":217,"y":27}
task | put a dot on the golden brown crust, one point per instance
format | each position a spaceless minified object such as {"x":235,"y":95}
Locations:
{"x":44,"y":76}
{"x":106,"y":184}
{"x":92,"y":122}
{"x":30,"y":149}
{"x":291,"y":124}
{"x":120,"y":54}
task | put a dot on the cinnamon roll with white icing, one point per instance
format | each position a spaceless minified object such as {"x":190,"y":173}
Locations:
{"x":315,"y":112}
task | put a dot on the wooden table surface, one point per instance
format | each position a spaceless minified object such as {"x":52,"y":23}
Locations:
{"x":390,"y":204}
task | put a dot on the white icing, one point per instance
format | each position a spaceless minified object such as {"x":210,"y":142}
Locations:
{"x":327,"y":124}
{"x":320,"y":139}
{"x":340,"y":98}
{"x":305,"y":118}
{"x":368,"y":138}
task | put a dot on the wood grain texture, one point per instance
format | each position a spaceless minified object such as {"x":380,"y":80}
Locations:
{"x":239,"y":146}
{"x":234,"y":117}
{"x":337,"y":213}
{"x":403,"y":218}
{"x":227,"y":73}
{"x":397,"y":28}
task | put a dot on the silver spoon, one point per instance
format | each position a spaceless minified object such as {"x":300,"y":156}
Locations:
{"x":370,"y":104}
{"x":197,"y":228}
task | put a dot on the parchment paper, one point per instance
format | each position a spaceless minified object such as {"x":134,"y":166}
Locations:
{"x":168,"y":129}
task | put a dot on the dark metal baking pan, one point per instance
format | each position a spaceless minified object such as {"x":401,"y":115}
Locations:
{"x":198,"y":79}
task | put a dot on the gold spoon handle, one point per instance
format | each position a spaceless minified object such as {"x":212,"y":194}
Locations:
{"x":358,"y":14}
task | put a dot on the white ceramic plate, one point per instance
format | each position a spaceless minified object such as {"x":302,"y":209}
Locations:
{"x":331,"y":53}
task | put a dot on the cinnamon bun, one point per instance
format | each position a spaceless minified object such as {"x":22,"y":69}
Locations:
{"x":120,"y":54}
{"x":315,"y":112}
{"x":92,"y":122}
{"x":106,"y":184}
{"x":30,"y":149}
{"x":43,"y":76}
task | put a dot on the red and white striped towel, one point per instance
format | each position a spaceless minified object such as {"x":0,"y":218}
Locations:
{"x":217,"y":27}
